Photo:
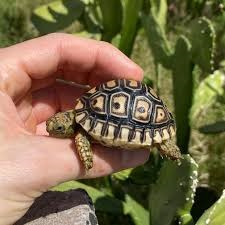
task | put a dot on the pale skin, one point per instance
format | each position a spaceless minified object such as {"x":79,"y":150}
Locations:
{"x":30,"y":161}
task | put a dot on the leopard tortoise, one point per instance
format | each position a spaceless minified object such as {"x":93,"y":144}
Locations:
{"x":120,"y":113}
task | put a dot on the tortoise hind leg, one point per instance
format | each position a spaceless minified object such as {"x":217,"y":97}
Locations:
{"x":170,"y":150}
{"x":84,"y":149}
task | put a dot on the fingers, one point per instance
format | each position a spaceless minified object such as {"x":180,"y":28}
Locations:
{"x":8,"y":113}
{"x":78,"y":59}
{"x":59,"y":97}
{"x":107,"y":161}
{"x":59,"y":158}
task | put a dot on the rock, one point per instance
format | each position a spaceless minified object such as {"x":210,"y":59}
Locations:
{"x":73,"y":207}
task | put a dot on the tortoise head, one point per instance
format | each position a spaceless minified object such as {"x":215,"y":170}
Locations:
{"x":62,"y":124}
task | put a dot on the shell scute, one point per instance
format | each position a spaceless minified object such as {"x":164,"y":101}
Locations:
{"x":142,"y":109}
{"x":160,"y":115}
{"x":132,"y":84}
{"x":98,"y":103}
{"x":111,"y":85}
{"x":119,"y":104}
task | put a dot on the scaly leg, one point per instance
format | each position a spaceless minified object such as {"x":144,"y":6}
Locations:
{"x":170,"y":150}
{"x":84,"y":149}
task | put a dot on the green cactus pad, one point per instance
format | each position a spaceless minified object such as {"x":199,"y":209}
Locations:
{"x":182,"y":90}
{"x":157,"y":41}
{"x":173,"y":193}
{"x":215,"y":214}
{"x":206,"y":108}
{"x":202,"y":37}
{"x":112,"y":13}
{"x":56,"y":15}
{"x":130,"y":25}
{"x":159,"y":11}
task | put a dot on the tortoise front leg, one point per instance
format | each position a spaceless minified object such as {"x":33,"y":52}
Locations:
{"x":84,"y":149}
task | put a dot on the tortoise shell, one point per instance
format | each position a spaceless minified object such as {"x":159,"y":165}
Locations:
{"x":124,"y":113}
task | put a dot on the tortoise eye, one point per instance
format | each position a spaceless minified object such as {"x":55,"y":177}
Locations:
{"x":60,"y":128}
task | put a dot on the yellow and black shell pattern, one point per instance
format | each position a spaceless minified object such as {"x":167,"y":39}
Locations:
{"x":124,"y":113}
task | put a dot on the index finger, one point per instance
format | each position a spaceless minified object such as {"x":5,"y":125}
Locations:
{"x":78,"y":59}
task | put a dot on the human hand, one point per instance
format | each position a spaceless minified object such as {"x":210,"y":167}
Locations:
{"x":30,"y":161}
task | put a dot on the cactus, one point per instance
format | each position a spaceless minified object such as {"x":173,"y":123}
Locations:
{"x":154,"y":24}
{"x":198,"y":49}
{"x":157,"y":41}
{"x":209,"y":91}
{"x":195,"y":7}
{"x":111,"y":18}
{"x":129,"y":29}
{"x":215,"y":214}
{"x":183,"y":90}
{"x":56,"y":15}
{"x":173,"y":193}
{"x":202,"y":39}
{"x":91,"y":19}
{"x":159,"y":11}
{"x":138,"y":213}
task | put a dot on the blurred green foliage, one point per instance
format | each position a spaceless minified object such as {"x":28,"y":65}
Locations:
{"x":15,"y":23}
{"x":180,"y":45}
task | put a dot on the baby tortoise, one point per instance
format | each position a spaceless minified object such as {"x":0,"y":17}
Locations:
{"x":120,"y":113}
